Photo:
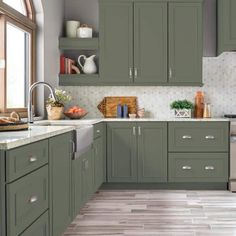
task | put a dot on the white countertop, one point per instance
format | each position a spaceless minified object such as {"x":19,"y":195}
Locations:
{"x":14,"y":139}
{"x":45,"y":129}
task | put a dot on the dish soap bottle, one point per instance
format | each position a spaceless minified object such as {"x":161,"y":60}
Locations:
{"x":199,"y":104}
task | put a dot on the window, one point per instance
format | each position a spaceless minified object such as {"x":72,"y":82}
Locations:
{"x":17,"y":31}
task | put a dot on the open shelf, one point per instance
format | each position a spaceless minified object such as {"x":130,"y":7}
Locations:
{"x":78,"y":79}
{"x":78,"y":43}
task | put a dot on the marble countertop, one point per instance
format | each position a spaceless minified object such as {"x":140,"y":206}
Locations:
{"x":12,"y":139}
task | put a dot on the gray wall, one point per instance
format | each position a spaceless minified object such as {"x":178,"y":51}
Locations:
{"x":50,"y":17}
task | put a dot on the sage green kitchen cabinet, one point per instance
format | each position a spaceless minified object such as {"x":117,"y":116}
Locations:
{"x":77,"y":197}
{"x":150,"y":42}
{"x":60,"y":158}
{"x":137,"y":152}
{"x":26,"y":199}
{"x":198,"y":167}
{"x":153,"y":43}
{"x":122,"y":152}
{"x":116,"y":41}
{"x":2,"y":195}
{"x":226,"y":26}
{"x":152,"y":152}
{"x":98,"y":162}
{"x":185,"y":43}
{"x":198,"y":136}
{"x":38,"y":228}
{"x":87,"y":160}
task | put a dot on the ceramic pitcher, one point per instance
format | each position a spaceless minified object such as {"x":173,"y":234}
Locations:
{"x":89,"y":66}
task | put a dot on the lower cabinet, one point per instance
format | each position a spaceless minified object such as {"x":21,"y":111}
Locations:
{"x":39,"y":228}
{"x":137,"y":152}
{"x":60,"y":183}
{"x":198,"y":167}
{"x":98,"y":162}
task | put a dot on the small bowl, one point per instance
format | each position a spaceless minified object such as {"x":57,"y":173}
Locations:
{"x":132,"y":116}
{"x":78,"y":115}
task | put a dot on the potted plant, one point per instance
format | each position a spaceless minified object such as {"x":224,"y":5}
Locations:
{"x":55,"y":108}
{"x":182,"y":108}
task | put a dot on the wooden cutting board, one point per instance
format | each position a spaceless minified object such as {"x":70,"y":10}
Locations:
{"x":108,"y":106}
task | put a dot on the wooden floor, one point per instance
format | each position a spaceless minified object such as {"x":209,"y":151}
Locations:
{"x":157,"y":212}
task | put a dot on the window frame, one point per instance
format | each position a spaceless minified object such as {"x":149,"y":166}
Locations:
{"x":26,"y":23}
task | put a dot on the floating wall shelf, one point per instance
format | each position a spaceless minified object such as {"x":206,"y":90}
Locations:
{"x":78,"y":43}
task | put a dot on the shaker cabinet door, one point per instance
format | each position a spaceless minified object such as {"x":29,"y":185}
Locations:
{"x":226,"y":25}
{"x":121,"y":152}
{"x":185,"y":43}
{"x":150,"y":42}
{"x":116,"y":41}
{"x":152,"y":152}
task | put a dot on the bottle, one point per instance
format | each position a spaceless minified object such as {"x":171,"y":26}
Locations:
{"x":207,"y":110}
{"x":119,"y":113}
{"x":125,"y":111}
{"x":199,"y":104}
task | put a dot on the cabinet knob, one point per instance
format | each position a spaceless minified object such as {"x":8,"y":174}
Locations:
{"x":98,"y":131}
{"x":187,"y":137}
{"x":33,"y":199}
{"x":209,"y":167}
{"x":33,"y":159}
{"x":187,"y":168}
{"x":210,"y":137}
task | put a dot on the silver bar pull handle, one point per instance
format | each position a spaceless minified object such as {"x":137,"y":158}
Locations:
{"x":210,"y":137}
{"x":186,"y":168}
{"x":33,"y":159}
{"x":33,"y":199}
{"x":135,"y":73}
{"x":209,"y":167}
{"x":134,"y":131}
{"x":170,"y":73}
{"x":130,"y":73}
{"x":187,"y":137}
{"x":139,"y":131}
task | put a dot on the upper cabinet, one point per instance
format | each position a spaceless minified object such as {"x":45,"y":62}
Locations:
{"x":185,"y":43}
{"x":151,"y":42}
{"x":226,"y":26}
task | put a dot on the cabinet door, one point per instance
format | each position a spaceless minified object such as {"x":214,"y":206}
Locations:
{"x":98,"y":162}
{"x":77,"y":186}
{"x":226,"y":25}
{"x":60,"y":179}
{"x":116,"y":41}
{"x":2,"y":194}
{"x":150,"y":42}
{"x":185,"y":43}
{"x":121,"y":152}
{"x":87,"y":175}
{"x":152,"y":152}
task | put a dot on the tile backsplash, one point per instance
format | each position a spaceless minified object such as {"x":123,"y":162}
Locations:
{"x":219,"y":78}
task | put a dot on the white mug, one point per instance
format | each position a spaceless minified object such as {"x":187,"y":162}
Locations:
{"x":71,"y":28}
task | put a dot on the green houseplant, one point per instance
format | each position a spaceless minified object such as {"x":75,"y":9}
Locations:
{"x":55,"y":108}
{"x":182,"y":108}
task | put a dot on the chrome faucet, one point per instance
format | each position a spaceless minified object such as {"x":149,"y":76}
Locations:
{"x":30,"y":110}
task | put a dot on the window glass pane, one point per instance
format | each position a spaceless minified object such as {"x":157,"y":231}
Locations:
{"x":17,"y":5}
{"x":17,"y":63}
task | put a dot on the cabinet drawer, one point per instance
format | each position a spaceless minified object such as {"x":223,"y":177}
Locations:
{"x":198,"y":167}
{"x":198,"y":136}
{"x":98,"y":130}
{"x":22,"y":160}
{"x":27,"y":199}
{"x":39,"y":227}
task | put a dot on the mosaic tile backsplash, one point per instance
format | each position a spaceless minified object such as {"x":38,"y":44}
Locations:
{"x":219,"y":78}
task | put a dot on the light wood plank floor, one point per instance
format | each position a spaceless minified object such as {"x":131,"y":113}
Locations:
{"x":157,"y":212}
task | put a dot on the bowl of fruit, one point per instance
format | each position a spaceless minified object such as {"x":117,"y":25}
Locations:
{"x":75,"y":112}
